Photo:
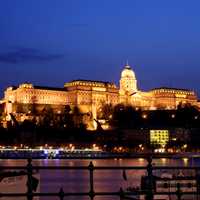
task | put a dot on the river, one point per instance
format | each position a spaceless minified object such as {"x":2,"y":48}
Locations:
{"x":109,"y":180}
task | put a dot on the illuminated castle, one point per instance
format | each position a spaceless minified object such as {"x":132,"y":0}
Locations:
{"x":158,"y":98}
{"x":90,"y":96}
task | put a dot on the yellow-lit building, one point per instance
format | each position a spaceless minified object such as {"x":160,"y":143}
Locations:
{"x":158,"y":98}
{"x":90,"y":96}
{"x":159,"y":137}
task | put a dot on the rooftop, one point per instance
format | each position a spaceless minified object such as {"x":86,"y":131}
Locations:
{"x":93,"y":81}
{"x":49,"y":88}
{"x":170,"y":88}
{"x":90,"y":82}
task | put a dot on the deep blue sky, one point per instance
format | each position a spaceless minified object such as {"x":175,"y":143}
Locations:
{"x":50,"y":42}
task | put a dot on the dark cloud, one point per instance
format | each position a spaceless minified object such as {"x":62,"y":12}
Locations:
{"x":23,"y":55}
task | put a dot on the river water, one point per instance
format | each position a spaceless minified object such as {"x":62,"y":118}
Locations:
{"x":105,"y":181}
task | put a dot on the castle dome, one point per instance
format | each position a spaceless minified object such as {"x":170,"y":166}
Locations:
{"x":127,"y":72}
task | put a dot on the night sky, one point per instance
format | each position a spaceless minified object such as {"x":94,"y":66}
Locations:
{"x":49,"y":42}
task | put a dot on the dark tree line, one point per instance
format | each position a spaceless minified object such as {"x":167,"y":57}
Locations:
{"x":47,"y":127}
{"x":68,"y":125}
{"x":128,"y":117}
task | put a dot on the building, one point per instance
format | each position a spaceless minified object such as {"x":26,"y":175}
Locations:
{"x":90,"y":96}
{"x":159,"y":137}
{"x":158,"y":98}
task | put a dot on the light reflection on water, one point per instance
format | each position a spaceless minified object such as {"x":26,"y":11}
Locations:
{"x":106,"y":180}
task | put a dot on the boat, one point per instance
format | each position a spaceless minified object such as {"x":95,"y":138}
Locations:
{"x":171,"y":183}
{"x":16,"y":182}
{"x":165,"y":183}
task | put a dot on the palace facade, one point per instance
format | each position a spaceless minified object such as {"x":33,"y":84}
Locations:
{"x":89,"y":96}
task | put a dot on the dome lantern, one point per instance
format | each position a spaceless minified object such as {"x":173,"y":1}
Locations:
{"x":128,"y":82}
{"x":128,"y":72}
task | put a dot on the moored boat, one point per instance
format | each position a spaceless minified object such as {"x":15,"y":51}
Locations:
{"x":16,"y":182}
{"x":166,"y":186}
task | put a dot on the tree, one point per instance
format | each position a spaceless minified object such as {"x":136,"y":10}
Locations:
{"x":47,"y":117}
{"x":187,"y":115}
{"x":125,"y":117}
{"x":27,"y":132}
{"x":67,"y":119}
{"x":105,"y":111}
{"x":77,"y":117}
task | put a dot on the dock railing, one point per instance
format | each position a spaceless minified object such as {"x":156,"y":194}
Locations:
{"x":148,"y":193}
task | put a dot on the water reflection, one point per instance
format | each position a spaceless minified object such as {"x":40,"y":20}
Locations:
{"x":106,"y":180}
{"x":185,"y":161}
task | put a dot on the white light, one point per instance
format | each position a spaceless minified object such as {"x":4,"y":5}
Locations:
{"x":45,"y":151}
{"x":57,"y":152}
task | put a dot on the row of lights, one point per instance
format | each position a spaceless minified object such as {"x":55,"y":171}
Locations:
{"x":145,"y":116}
{"x":47,"y":147}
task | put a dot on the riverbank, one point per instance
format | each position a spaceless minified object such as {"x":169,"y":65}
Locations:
{"x":58,"y":154}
